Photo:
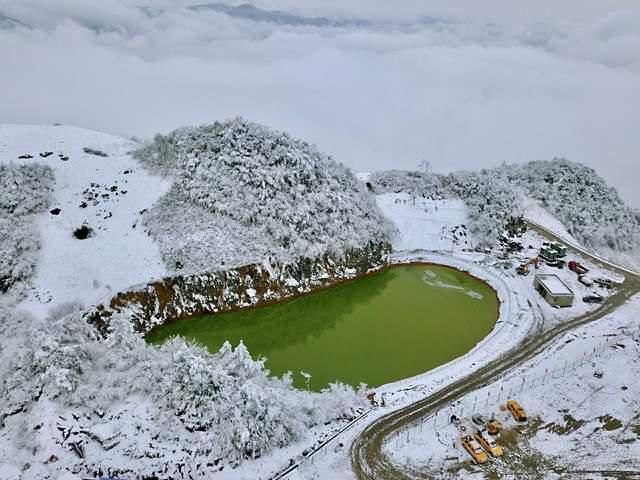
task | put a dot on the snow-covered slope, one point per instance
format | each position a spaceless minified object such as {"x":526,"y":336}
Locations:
{"x":104,"y":193}
{"x":427,"y":224}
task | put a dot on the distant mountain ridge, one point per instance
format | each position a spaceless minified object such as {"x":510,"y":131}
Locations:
{"x":249,"y":12}
{"x":7,"y":22}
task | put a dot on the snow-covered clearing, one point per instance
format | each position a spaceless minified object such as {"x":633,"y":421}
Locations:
{"x":104,"y":193}
{"x":424,"y":223}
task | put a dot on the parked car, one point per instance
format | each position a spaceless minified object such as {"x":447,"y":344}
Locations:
{"x":478,"y":420}
{"x":494,"y":426}
{"x":604,"y":282}
{"x":593,"y":298}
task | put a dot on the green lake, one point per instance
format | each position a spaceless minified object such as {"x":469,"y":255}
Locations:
{"x":385,"y":327}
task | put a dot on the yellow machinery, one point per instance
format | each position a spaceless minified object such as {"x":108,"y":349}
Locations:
{"x":523,"y":269}
{"x":494,"y":426}
{"x":488,"y":443}
{"x":516,"y":410}
{"x":474,"y":449}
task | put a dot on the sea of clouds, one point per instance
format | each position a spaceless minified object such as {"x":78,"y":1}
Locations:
{"x":376,"y":84}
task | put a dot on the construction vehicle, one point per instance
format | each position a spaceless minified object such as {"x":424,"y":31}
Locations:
{"x":488,"y":443}
{"x":523,"y":269}
{"x":494,"y":426}
{"x":578,"y":268}
{"x":549,"y":255}
{"x":474,"y":449}
{"x":516,"y":410}
{"x":561,"y":250}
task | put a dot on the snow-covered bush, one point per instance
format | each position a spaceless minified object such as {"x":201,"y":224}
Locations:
{"x":142,"y":410}
{"x":263,"y":192}
{"x":24,"y":189}
{"x":24,"y":192}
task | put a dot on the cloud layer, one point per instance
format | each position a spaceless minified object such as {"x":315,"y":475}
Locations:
{"x":377,"y":91}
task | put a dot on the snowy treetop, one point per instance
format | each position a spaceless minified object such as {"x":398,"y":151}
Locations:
{"x":278,"y":188}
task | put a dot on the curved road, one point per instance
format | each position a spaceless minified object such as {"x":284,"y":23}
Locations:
{"x":367,"y":458}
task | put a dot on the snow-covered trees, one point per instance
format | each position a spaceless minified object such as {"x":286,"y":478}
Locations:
{"x":260,"y":191}
{"x":425,"y":184}
{"x":140,"y":409}
{"x":491,"y":200}
{"x":24,"y":192}
{"x":592,"y":211}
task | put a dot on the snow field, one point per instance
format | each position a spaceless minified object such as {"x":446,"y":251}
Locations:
{"x":119,"y":253}
{"x":423,"y":223}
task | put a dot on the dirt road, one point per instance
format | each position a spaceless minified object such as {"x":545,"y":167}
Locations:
{"x":367,"y":458}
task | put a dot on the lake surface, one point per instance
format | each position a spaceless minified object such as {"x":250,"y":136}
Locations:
{"x":385,"y":327}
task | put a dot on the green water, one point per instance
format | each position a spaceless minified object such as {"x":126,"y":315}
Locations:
{"x":385,"y":327}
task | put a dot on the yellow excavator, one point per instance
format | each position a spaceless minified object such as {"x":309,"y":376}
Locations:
{"x":523,"y":269}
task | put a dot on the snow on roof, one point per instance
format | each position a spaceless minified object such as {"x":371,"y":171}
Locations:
{"x":553,"y":284}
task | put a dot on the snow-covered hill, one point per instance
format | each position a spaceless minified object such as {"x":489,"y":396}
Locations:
{"x":254,"y":193}
{"x":103,"y":193}
{"x":567,"y":196}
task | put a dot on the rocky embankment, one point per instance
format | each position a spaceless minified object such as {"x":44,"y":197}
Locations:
{"x":178,"y":297}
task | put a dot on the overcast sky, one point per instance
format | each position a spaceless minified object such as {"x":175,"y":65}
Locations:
{"x":478,"y":84}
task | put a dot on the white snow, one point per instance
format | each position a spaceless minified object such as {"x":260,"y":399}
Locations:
{"x":537,"y":213}
{"x":117,"y":255}
{"x":426,"y":224}
{"x":120,"y":254}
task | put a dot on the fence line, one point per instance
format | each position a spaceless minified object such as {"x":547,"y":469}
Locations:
{"x":507,"y":389}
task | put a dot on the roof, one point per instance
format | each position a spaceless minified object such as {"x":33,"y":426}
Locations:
{"x":553,"y":284}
